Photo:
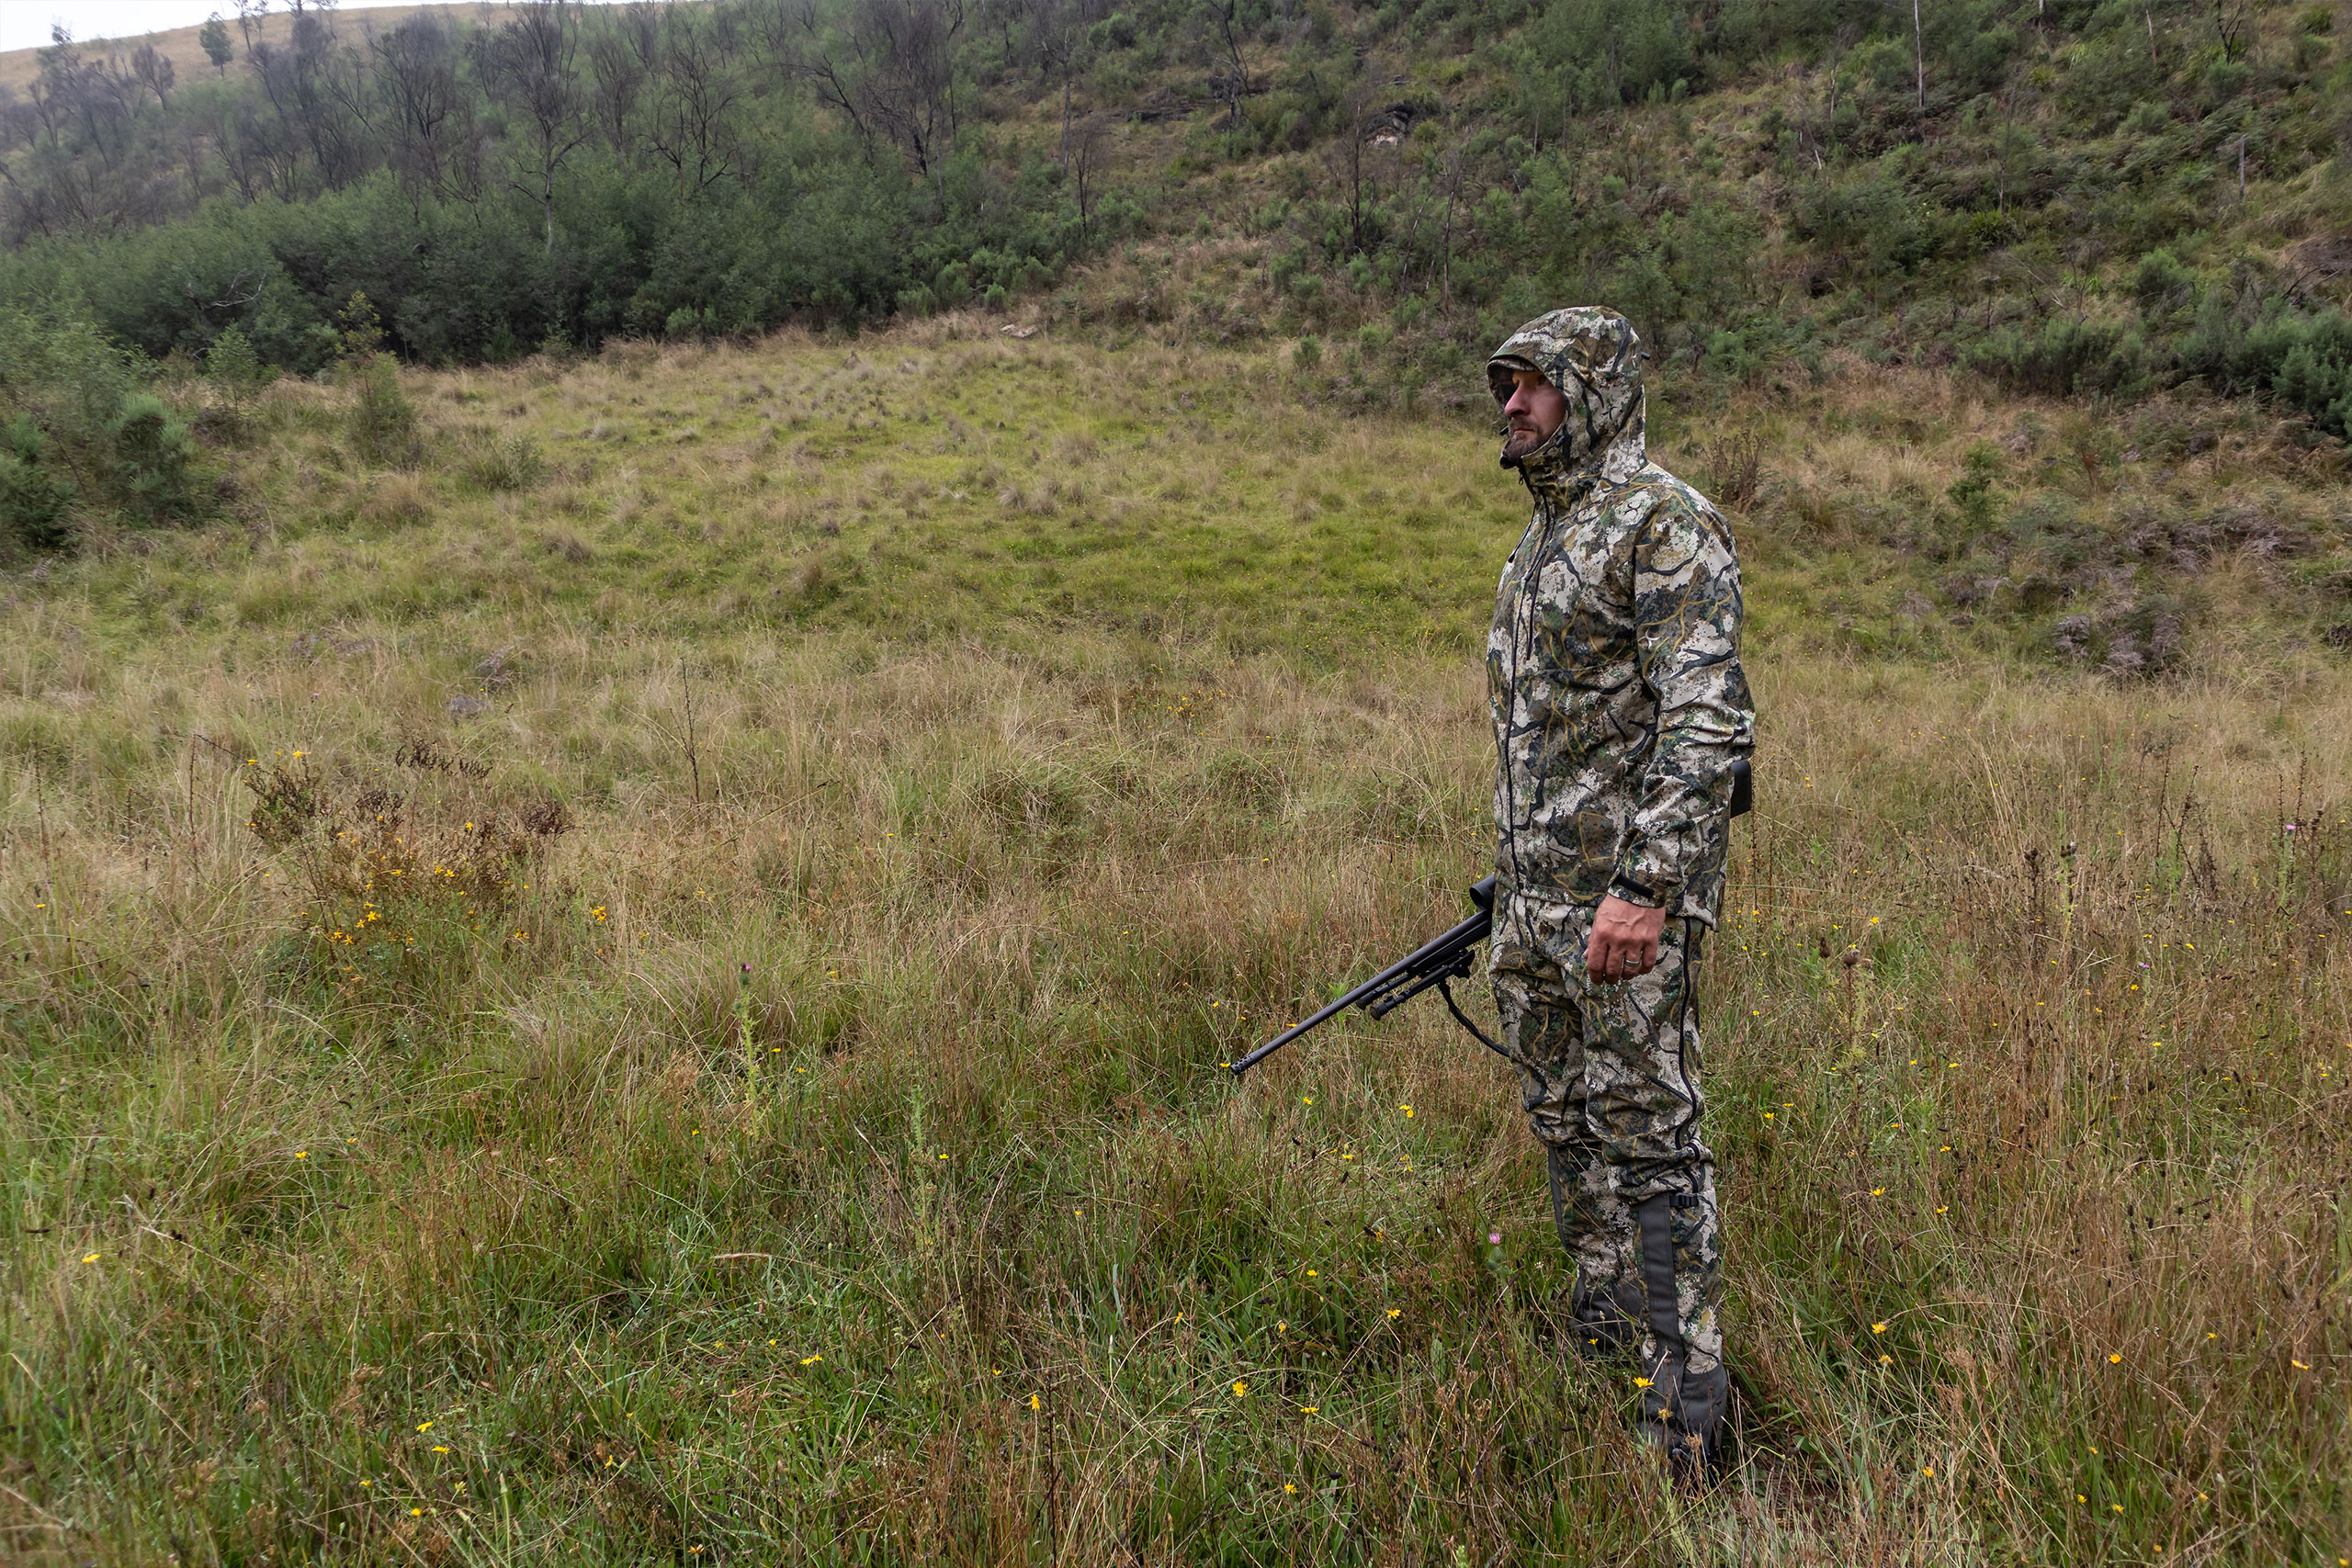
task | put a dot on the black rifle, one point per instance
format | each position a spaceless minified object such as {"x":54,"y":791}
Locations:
{"x":1448,"y":957}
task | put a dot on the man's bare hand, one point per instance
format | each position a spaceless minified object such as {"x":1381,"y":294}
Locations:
{"x":1625,"y":941}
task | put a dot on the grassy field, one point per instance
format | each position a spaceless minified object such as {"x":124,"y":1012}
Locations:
{"x":653,"y":987}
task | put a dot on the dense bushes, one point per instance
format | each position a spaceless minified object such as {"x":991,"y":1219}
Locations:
{"x":679,"y":171}
{"x":834,"y":238}
{"x":2235,"y":343}
{"x":81,"y":437}
{"x":2302,"y":358}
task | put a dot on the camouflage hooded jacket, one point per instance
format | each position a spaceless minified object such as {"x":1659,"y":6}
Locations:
{"x":1612,"y":670}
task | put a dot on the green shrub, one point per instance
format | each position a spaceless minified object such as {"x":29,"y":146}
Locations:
{"x":2067,"y":355}
{"x":2303,"y":358}
{"x":508,"y":462}
{"x":1973,"y":492}
{"x":80,"y":434}
{"x":2314,"y":373}
{"x":232,"y":366}
{"x":33,"y":496}
{"x":2161,"y":282}
{"x":154,"y":461}
{"x":383,"y":420}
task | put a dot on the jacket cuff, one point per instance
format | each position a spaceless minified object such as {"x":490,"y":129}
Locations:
{"x":1633,"y":890}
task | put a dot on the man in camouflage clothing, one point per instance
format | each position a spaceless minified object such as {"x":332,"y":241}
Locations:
{"x":1620,"y":709}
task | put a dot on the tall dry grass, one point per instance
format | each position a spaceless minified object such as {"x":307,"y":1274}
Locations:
{"x":776,"y":1112}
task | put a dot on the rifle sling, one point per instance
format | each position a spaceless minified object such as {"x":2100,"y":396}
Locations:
{"x":1463,"y":1019}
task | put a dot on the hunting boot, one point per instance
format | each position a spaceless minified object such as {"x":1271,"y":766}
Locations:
{"x":1686,"y":1386}
{"x":1606,"y":1311}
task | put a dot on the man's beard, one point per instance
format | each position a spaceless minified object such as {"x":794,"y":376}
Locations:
{"x":1519,"y":443}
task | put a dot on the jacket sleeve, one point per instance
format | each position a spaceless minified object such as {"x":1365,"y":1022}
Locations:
{"x":1686,"y":627}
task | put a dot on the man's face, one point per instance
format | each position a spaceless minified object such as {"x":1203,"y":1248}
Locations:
{"x":1534,"y":412}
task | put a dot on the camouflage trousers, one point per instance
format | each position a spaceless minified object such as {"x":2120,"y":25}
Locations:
{"x":1609,"y":1079}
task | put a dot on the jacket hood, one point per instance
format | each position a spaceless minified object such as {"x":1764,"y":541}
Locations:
{"x":1594,"y":356}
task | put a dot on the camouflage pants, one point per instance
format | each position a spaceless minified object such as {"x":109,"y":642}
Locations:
{"x":1609,"y":1079}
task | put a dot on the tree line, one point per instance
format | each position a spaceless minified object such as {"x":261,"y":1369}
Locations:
{"x":566,"y":173}
{"x":1955,"y":181}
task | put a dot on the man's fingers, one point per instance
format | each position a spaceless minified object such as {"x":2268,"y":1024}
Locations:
{"x":1611,"y":955}
{"x":1606,"y":960}
{"x":1613,"y":958}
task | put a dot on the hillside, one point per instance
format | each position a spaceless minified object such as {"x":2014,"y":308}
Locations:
{"x":2070,"y":199}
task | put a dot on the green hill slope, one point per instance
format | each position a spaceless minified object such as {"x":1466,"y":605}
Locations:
{"x":2097,"y":199}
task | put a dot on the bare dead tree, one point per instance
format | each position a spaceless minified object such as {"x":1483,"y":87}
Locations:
{"x":690,"y":125}
{"x":1224,"y":17}
{"x":224,"y":127}
{"x":2230,"y":19}
{"x":1087,"y":152}
{"x":154,"y":70}
{"x":835,"y":81}
{"x":618,"y":71}
{"x":889,"y":70}
{"x":54,"y":201}
{"x":313,"y":88}
{"x":249,"y":18}
{"x":423,"y":103}
{"x":70,"y":94}
{"x":531,"y":58}
{"x":1919,"y":53}
{"x":1453,"y":171}
{"x":1054,"y":39}
{"x":1354,"y":163}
